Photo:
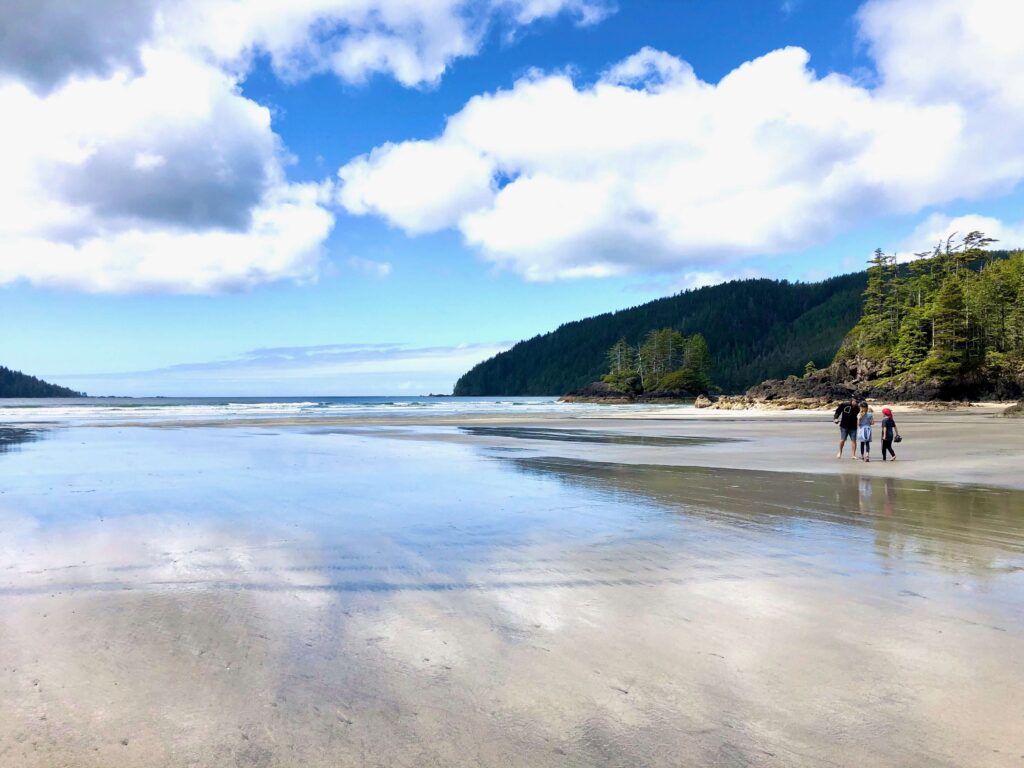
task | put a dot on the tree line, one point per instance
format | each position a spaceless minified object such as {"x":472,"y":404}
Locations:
{"x":17,"y":384}
{"x":952,"y":312}
{"x":665,"y":360}
{"x":758,"y":328}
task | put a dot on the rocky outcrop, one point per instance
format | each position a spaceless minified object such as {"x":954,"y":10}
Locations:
{"x":745,"y":402}
{"x":601,"y":392}
{"x":858,"y":377}
{"x":598,"y":392}
{"x":666,"y":396}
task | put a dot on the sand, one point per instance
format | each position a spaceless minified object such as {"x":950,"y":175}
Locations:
{"x":527,"y":592}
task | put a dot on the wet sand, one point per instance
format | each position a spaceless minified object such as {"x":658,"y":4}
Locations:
{"x":969,"y":446}
{"x":523,"y":593}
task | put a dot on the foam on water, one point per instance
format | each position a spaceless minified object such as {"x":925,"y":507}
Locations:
{"x":93,"y":410}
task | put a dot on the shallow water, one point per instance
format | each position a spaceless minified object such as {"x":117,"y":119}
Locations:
{"x":281,"y":597}
{"x":592,"y":436}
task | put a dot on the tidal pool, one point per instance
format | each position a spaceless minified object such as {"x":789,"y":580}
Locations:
{"x":178,"y":597}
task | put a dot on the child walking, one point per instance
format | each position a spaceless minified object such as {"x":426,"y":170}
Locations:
{"x":889,"y":432}
{"x":864,"y":422}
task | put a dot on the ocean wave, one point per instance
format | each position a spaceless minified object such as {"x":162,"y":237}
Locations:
{"x":86,"y":411}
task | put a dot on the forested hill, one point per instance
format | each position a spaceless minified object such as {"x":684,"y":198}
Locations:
{"x":17,"y":384}
{"x":757,"y":329}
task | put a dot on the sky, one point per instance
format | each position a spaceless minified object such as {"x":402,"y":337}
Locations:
{"x":349,"y":197}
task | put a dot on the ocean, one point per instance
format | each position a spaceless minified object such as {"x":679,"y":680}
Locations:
{"x":88,"y":410}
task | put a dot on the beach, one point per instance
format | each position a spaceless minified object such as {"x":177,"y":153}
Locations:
{"x":508,"y":586}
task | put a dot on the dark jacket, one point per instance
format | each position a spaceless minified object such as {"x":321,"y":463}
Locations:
{"x":847,"y":415}
{"x":888,"y":428}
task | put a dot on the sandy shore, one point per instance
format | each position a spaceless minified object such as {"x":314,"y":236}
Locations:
{"x":967,"y":445}
{"x":512,"y":592}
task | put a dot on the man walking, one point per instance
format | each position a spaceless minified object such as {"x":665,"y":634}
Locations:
{"x":846,"y":417}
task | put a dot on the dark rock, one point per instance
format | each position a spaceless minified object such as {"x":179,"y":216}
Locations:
{"x":665,"y":395}
{"x":598,"y":392}
{"x":859,"y":377}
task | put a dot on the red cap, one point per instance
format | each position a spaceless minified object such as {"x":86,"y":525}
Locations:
{"x":887,"y":411}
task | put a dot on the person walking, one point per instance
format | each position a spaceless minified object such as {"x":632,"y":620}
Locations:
{"x":846,"y":417}
{"x":864,"y":422}
{"x":889,"y":433}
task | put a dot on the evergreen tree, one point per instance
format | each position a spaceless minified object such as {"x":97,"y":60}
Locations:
{"x":622,"y":357}
{"x":947,"y":356}
{"x":18,"y":384}
{"x":912,"y":342}
{"x":697,"y":359}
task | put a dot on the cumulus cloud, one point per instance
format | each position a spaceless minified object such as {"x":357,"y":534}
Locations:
{"x":46,"y":41}
{"x":935,"y":229}
{"x":164,"y":180}
{"x":651,"y":168}
{"x":132,"y":161}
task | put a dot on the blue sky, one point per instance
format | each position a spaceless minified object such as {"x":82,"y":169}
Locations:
{"x":191,"y":233}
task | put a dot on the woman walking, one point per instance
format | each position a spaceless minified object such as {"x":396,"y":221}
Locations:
{"x":889,"y":432}
{"x":864,"y":422}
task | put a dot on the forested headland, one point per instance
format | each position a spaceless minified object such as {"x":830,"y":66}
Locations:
{"x":756,"y":329}
{"x":17,"y":384}
{"x":947,"y":325}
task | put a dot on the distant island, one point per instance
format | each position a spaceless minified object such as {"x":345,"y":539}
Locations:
{"x":18,"y":384}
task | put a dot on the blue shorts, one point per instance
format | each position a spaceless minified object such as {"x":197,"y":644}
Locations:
{"x":847,"y":434}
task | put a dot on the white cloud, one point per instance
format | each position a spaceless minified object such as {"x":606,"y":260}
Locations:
{"x":937,"y":228}
{"x":281,"y":242}
{"x":342,"y":369}
{"x":44,"y":41}
{"x":132,"y":161}
{"x":651,"y":168}
{"x":164,"y":180}
{"x":688,"y":281}
{"x":412,"y":41}
{"x":420,"y":185}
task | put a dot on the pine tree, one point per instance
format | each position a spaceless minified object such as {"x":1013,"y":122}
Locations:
{"x":912,"y":342}
{"x":622,"y":357}
{"x":698,"y":358}
{"x":947,"y":356}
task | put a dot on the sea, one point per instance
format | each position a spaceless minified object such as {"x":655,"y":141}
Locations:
{"x":98,"y":410}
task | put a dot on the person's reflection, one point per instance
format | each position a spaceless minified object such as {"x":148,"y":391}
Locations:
{"x":890,"y":497}
{"x":847,"y":493}
{"x":864,"y":496}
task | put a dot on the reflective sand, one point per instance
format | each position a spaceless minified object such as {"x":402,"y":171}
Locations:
{"x":273,"y":597}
